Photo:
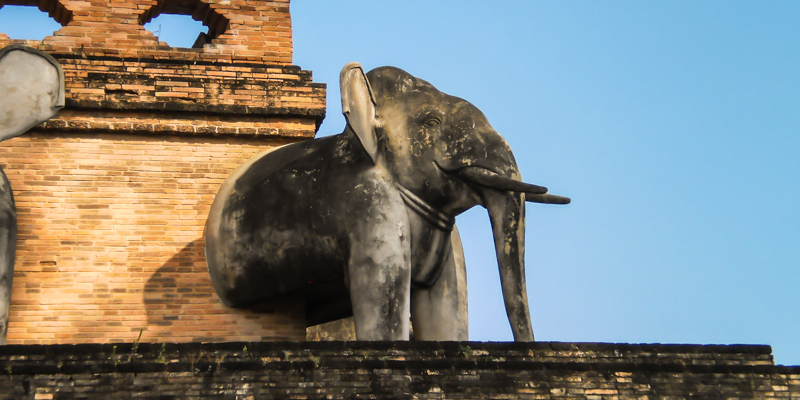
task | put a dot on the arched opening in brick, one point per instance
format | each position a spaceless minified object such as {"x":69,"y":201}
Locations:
{"x":32,"y":19}
{"x":178,"y":12}
{"x":178,"y":30}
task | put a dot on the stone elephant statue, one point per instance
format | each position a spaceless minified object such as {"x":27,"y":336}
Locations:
{"x":31,"y":92}
{"x":362,"y":222}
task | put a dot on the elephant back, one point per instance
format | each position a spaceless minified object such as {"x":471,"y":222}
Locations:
{"x":257,"y":236}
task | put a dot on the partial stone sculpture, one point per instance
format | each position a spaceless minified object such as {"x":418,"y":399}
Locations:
{"x":31,"y":92}
{"x":363,"y":222}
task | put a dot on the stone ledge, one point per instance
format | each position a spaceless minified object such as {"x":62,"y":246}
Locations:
{"x":393,"y":370}
{"x":186,"y":124}
{"x":540,"y":356}
{"x":178,"y":56}
{"x":223,"y":109}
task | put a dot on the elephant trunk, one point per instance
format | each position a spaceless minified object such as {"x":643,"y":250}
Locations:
{"x":504,"y":197}
{"x":507,"y":215}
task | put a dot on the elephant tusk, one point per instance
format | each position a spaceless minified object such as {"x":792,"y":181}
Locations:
{"x":547,"y":198}
{"x":484,"y":177}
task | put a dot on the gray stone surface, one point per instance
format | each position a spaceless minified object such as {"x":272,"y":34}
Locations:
{"x":393,"y":370}
{"x":361,"y":223}
{"x":31,"y":89}
{"x":340,"y":330}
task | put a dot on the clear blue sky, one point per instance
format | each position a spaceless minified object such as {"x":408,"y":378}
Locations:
{"x":673,"y":125}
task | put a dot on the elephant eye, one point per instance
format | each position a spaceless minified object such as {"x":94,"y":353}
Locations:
{"x":433,"y":120}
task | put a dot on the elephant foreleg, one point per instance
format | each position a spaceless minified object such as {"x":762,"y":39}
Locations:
{"x":439,"y":312}
{"x":379,"y":279}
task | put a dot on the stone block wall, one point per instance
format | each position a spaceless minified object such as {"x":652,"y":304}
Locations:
{"x":112,"y":194}
{"x":393,"y":370}
{"x":339,"y":330}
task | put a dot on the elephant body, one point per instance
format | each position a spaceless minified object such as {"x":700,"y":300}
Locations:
{"x":363,"y":222}
{"x":293,"y":219}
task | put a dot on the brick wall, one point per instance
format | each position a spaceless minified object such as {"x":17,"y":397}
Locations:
{"x":112,"y":194}
{"x":250,"y":30}
{"x":399,"y":370}
{"x":111,"y":240}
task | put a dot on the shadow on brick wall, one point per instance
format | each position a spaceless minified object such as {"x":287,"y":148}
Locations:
{"x":181,"y":288}
{"x":181,"y":306}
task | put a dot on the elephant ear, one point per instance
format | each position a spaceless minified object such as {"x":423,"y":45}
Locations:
{"x":358,"y":106}
{"x":31,"y":89}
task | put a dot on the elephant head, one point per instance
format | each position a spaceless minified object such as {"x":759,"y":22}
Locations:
{"x":443,"y":150}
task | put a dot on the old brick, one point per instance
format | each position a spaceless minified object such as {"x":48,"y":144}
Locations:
{"x":113,"y":193}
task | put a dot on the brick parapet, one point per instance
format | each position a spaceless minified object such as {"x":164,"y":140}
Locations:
{"x":248,"y":30}
{"x":175,"y":85}
{"x":394,"y":370}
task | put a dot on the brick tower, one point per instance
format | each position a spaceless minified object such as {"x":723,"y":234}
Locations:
{"x":113,"y":193}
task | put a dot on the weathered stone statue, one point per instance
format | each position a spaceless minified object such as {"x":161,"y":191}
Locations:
{"x":31,"y":92}
{"x":363,"y":222}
